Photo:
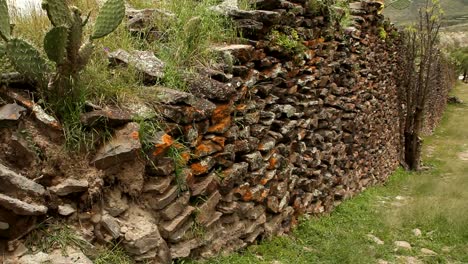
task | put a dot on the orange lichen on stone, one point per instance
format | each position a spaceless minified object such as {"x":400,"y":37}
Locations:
{"x":198,"y":168}
{"x":135,"y":135}
{"x":221,"y":119}
{"x":164,"y":142}
{"x":221,"y":112}
{"x":185,"y":157}
{"x":293,"y":73}
{"x":219,"y":140}
{"x":206,"y":148}
{"x":221,"y":126}
{"x":310,"y":53}
{"x":241,"y":107}
{"x":247,"y":196}
{"x":272,"y":163}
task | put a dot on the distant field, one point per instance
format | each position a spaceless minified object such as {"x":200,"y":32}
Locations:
{"x":456,"y":12}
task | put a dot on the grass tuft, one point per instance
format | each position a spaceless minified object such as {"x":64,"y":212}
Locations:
{"x":188,"y":38}
{"x":50,"y":236}
{"x":113,"y":255}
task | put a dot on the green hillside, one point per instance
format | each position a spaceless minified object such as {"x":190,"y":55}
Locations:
{"x":456,"y":12}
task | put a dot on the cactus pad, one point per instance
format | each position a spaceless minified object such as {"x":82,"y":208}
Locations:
{"x":26,"y":59}
{"x":55,"y":42}
{"x":109,"y":18}
{"x":57,"y":12}
{"x":4,"y":20}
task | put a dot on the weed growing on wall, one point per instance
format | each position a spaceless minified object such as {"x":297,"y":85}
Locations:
{"x":246,"y":5}
{"x":382,"y":33}
{"x":337,"y":11}
{"x":176,"y":152}
{"x":291,"y":42}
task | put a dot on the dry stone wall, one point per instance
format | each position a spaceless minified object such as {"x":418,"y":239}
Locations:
{"x":280,"y":129}
{"x":276,"y":133}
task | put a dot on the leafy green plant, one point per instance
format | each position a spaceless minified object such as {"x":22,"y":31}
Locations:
{"x":461,"y":58}
{"x":329,"y":9}
{"x":290,"y":42}
{"x":382,"y":33}
{"x":319,"y":7}
{"x":63,"y":44}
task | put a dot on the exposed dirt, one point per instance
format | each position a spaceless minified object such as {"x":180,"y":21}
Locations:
{"x":463,"y":155}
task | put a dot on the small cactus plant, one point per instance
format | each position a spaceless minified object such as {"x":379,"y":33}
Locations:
{"x":63,"y":43}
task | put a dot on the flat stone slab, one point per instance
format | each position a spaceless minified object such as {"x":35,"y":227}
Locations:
{"x":122,"y":147}
{"x":11,"y":112}
{"x":112,"y":117}
{"x":21,"y":208}
{"x":36,"y":109}
{"x":142,"y":234}
{"x":144,"y":61}
{"x":66,"y":209}
{"x":17,"y":181}
{"x":56,"y":257}
{"x":69,"y":186}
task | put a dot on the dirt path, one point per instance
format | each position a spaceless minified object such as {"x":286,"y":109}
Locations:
{"x":415,"y":218}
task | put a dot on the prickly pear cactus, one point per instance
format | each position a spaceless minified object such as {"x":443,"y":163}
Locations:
{"x":4,"y":20}
{"x":109,"y":18}
{"x":26,"y":59}
{"x":86,"y":50}
{"x":55,"y":44}
{"x":5,"y":65}
{"x":75,"y":37}
{"x":63,"y":44}
{"x":57,"y":12}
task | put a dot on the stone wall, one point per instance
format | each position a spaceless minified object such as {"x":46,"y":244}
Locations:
{"x":275,"y":132}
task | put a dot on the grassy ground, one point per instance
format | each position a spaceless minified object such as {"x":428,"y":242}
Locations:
{"x":433,"y":201}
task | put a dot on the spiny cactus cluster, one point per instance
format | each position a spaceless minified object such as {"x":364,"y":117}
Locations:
{"x":63,"y":43}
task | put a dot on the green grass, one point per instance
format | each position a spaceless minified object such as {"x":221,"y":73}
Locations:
{"x":189,"y":39}
{"x":50,"y":236}
{"x":433,"y":201}
{"x":112,"y":255}
{"x":55,"y":235}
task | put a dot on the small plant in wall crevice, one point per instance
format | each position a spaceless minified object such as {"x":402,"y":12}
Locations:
{"x":289,"y":41}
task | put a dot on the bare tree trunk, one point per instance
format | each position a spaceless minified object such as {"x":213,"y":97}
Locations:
{"x":413,"y":142}
{"x":419,"y":61}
